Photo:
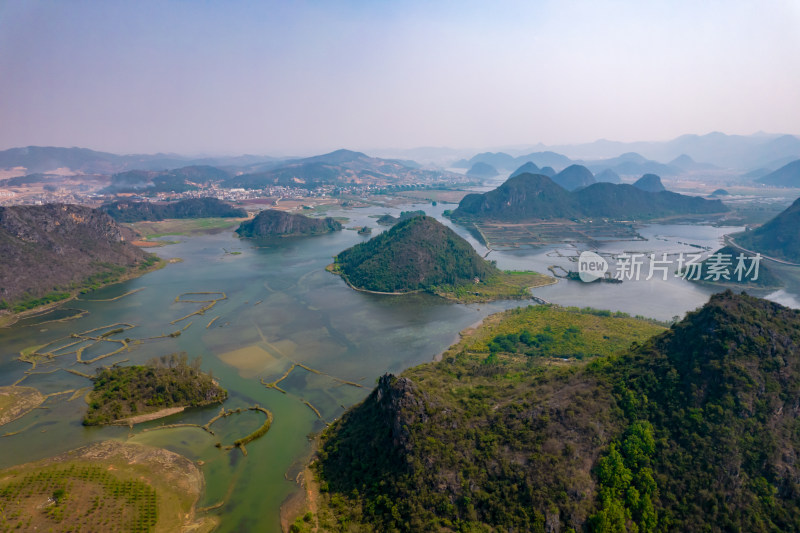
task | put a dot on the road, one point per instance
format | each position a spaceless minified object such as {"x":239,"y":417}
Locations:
{"x":730,"y":242}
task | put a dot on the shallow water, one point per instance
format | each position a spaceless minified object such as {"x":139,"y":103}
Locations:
{"x":282,"y":308}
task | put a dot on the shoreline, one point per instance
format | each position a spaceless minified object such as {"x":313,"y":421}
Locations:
{"x":445,"y":296}
{"x":9,"y":319}
{"x":147,"y":417}
{"x":330,"y":269}
{"x":461,"y":335}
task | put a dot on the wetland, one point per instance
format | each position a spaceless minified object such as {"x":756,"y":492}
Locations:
{"x":292,"y":344}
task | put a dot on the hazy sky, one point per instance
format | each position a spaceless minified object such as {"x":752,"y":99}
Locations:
{"x":302,"y":77}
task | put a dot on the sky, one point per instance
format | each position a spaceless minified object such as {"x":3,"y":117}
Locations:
{"x":200,"y":77}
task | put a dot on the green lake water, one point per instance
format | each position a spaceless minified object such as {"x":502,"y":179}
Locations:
{"x":282,"y":308}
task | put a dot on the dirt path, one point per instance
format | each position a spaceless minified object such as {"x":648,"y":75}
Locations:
{"x":138,"y":419}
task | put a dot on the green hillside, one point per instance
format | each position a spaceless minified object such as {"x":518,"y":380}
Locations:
{"x":574,"y":177}
{"x":389,"y":220}
{"x":650,"y":183}
{"x":536,"y":197}
{"x":273,"y":223}
{"x":695,"y":429}
{"x":720,"y":269}
{"x":128,"y":211}
{"x":786,"y":176}
{"x":416,"y":254}
{"x":779,"y":238}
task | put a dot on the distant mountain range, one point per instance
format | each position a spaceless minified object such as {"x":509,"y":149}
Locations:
{"x":177,"y":180}
{"x":82,"y":160}
{"x":608,"y":176}
{"x":574,"y":177}
{"x":687,"y":153}
{"x":482,"y":170}
{"x":649,"y":183}
{"x":537,"y":197}
{"x":342,"y":167}
{"x":159,"y":173}
{"x":507,"y":162}
{"x":786,"y":176}
{"x":742,"y":152}
{"x":628,"y":164}
{"x":779,"y":238}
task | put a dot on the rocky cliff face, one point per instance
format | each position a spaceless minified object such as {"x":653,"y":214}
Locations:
{"x":57,"y":247}
{"x":402,"y":404}
{"x":270,"y":223}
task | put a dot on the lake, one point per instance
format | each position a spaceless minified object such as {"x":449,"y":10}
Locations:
{"x":283,"y":308}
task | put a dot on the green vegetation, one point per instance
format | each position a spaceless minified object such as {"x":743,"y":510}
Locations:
{"x":80,"y":497}
{"x":270,"y":222}
{"x":536,"y":197}
{"x":106,"y":486}
{"x":548,"y":331}
{"x":503,"y":285}
{"x":303,"y":524}
{"x":778,"y":238}
{"x":260,"y":432}
{"x":31,"y":302}
{"x":186,"y":226}
{"x":168,"y":381}
{"x":720,"y":269}
{"x":417,"y":254}
{"x":421,"y":254}
{"x":688,"y":430}
{"x":389,"y":220}
{"x":107,"y":274}
{"x":127,"y":211}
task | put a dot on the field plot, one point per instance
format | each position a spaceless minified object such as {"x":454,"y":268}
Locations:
{"x":107,"y":486}
{"x":504,"y":235}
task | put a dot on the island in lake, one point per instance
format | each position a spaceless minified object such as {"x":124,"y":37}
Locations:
{"x":139,"y":393}
{"x":274,"y":223}
{"x":389,"y":220}
{"x":421,"y":254}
